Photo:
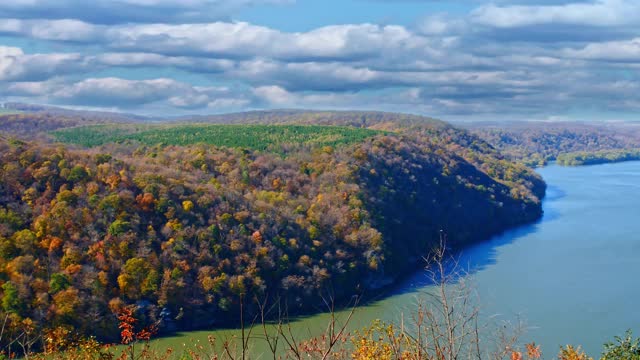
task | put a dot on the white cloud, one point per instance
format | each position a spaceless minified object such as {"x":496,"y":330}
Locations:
{"x":8,"y":56}
{"x":117,"y":91}
{"x":244,"y":40}
{"x":278,"y":97}
{"x":200,"y":65}
{"x":15,"y":65}
{"x":623,"y":51}
{"x":58,"y":30}
{"x":596,"y":13}
{"x":499,"y":59}
{"x":123,"y":93}
{"x":29,"y":89}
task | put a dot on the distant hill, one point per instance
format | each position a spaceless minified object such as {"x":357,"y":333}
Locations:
{"x":36,"y":121}
{"x":531,"y":143}
{"x":102,"y":116}
{"x":24,"y":119}
{"x":367,"y":119}
{"x":537,"y":143}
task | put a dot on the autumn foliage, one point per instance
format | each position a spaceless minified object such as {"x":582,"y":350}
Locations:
{"x":183,"y":231}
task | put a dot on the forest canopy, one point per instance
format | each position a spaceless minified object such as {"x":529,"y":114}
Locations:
{"x":255,"y":137}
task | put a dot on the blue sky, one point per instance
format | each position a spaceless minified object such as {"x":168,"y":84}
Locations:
{"x":305,"y":15}
{"x":458,"y":60}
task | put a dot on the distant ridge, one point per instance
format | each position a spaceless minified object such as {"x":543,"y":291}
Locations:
{"x":366,"y":119}
{"x":379,"y":120}
{"x":87,"y":114}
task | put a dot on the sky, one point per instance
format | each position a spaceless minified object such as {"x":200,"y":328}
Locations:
{"x":451,"y":59}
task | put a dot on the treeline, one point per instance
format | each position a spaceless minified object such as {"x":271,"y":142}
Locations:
{"x":599,"y":157}
{"x":30,"y":125}
{"x":184,"y":232}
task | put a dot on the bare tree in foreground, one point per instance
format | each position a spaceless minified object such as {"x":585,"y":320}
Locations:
{"x":446,"y":323}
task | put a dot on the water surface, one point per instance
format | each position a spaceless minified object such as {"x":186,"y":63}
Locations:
{"x":574,"y":275}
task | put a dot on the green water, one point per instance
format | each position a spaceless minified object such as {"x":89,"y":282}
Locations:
{"x":573,"y":276}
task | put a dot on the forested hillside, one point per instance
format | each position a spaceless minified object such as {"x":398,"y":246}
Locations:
{"x":536,"y":143}
{"x":598,"y":157}
{"x":30,"y":125}
{"x":368,"y":119}
{"x":190,"y":229}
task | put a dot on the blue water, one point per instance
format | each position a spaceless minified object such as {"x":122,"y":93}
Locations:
{"x":573,"y":277}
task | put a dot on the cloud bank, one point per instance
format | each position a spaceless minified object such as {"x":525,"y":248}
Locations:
{"x":498,"y":60}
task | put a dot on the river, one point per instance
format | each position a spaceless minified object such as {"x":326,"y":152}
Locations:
{"x":572,"y":276}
